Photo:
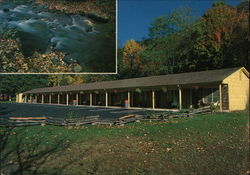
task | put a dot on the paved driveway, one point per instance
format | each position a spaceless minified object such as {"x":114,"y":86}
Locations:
{"x":61,"y":111}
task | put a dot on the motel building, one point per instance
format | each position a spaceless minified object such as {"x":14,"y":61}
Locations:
{"x":226,"y":89}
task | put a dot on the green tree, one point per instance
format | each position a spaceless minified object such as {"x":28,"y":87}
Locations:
{"x":177,"y":43}
{"x":12,"y":84}
{"x":168,"y":42}
{"x":176,"y":21}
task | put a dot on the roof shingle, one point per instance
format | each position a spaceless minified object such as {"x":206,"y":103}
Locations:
{"x":170,"y":79}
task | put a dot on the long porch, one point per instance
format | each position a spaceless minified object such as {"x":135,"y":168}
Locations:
{"x":163,"y":97}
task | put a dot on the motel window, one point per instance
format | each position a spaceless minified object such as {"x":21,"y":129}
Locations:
{"x":216,"y":95}
{"x":211,"y":95}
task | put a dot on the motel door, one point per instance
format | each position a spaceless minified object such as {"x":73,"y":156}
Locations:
{"x":225,"y":99}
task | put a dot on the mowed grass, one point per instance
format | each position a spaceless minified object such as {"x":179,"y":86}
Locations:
{"x":214,"y":144}
{"x":7,"y":101}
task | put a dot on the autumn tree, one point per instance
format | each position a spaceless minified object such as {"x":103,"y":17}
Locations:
{"x":222,"y":37}
{"x":178,"y":43}
{"x":65,"y":79}
{"x":75,"y":79}
{"x":132,"y":60}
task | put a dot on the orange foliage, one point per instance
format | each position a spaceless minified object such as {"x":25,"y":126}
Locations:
{"x":221,"y":22}
{"x":132,"y":59}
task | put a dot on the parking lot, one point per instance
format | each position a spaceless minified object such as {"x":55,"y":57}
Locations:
{"x":62,"y":111}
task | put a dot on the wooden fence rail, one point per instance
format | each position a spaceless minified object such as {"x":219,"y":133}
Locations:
{"x":95,"y":120}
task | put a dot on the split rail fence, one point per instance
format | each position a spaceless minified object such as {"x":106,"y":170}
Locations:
{"x":95,"y":120}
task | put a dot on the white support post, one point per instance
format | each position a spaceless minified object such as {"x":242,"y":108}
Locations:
{"x":77,"y":99}
{"x":191,"y":100}
{"x":58,"y":98}
{"x":180,"y":99}
{"x":25,"y":98}
{"x":106,"y":98}
{"x":49,"y":98}
{"x":153,"y":99}
{"x":203,"y":95}
{"x":30,"y":98}
{"x":128,"y":99}
{"x":36,"y":98}
{"x":67,"y":99}
{"x":220,"y":88}
{"x":42,"y":99}
{"x":212,"y":95}
{"x":90,"y":99}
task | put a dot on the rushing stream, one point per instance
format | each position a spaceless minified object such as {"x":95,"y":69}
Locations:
{"x":90,"y":44}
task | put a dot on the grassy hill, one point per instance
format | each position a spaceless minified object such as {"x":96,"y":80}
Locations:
{"x":208,"y":144}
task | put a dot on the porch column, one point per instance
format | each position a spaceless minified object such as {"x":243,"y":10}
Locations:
{"x":203,"y":96}
{"x":191,"y":100}
{"x":58,"y":98}
{"x":106,"y":98}
{"x":49,"y":98}
{"x":180,"y":99}
{"x":128,"y":99}
{"x":42,"y":98}
{"x":67,"y":99}
{"x":77,"y":98}
{"x":90,"y":99}
{"x":220,"y":88}
{"x":36,"y":98}
{"x":25,"y":98}
{"x":153,"y":99}
{"x":30,"y":98}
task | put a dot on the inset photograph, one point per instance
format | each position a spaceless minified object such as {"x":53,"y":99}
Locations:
{"x":57,"y":36}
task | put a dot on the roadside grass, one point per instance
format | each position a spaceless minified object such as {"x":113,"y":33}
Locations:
{"x":13,"y":101}
{"x":206,"y":144}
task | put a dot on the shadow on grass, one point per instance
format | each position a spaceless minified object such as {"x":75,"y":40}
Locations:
{"x":19,"y":157}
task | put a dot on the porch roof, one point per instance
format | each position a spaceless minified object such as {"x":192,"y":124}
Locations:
{"x":210,"y":76}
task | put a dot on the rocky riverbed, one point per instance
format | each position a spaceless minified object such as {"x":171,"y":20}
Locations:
{"x":85,"y":41}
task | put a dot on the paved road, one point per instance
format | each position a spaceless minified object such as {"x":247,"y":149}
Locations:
{"x":61,"y":111}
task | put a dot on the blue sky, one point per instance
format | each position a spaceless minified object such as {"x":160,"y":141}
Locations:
{"x":135,"y":16}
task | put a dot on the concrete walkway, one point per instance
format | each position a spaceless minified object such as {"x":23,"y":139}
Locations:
{"x":61,"y":111}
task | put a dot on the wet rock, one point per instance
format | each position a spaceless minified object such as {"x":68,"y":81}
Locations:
{"x":88,"y":22}
{"x":1,"y":30}
{"x":42,"y":6}
{"x":97,"y":18}
{"x":89,"y":29}
{"x":6,"y":10}
{"x":82,"y":13}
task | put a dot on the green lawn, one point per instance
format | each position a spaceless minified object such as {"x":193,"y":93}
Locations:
{"x":13,"y":101}
{"x":215,"y":144}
